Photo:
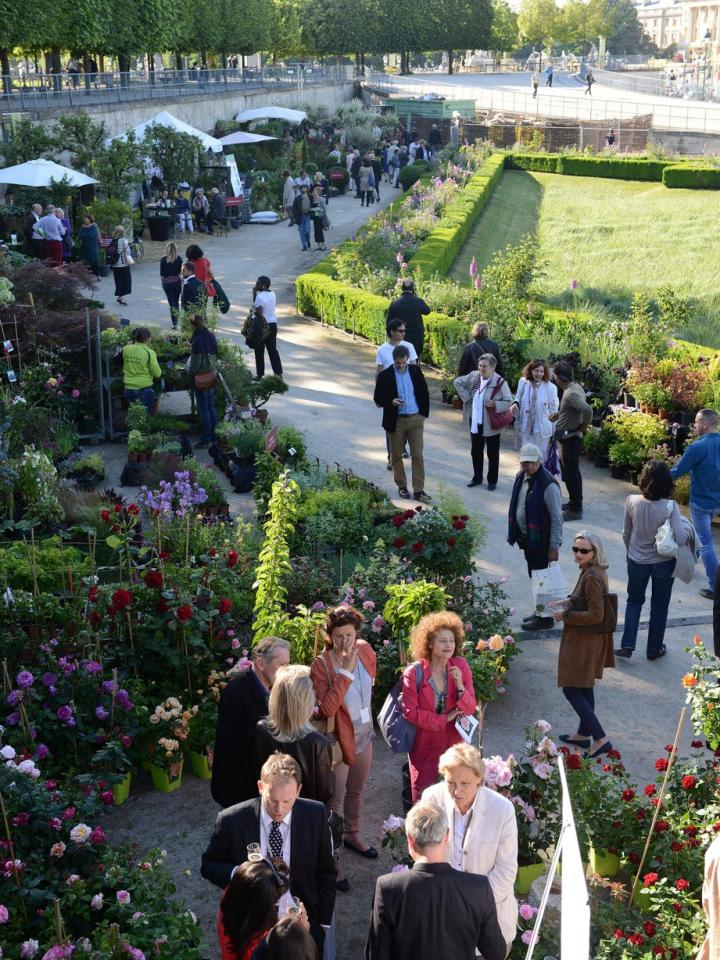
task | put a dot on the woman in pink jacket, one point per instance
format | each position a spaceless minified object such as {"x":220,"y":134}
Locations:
{"x":444,"y":692}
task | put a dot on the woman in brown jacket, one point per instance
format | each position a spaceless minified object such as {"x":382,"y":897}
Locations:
{"x":343,"y":677}
{"x":583,"y":652}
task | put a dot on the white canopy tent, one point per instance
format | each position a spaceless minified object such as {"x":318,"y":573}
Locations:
{"x":241,"y":137}
{"x":165,"y":119}
{"x":272,"y":113}
{"x":40,"y":173}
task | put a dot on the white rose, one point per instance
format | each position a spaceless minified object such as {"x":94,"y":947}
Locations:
{"x":7,"y":752}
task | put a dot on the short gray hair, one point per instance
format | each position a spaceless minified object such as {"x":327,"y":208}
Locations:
{"x":426,"y":825}
{"x":709,"y":416}
{"x":488,"y":358}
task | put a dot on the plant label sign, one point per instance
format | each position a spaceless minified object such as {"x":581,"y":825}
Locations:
{"x":271,"y":440}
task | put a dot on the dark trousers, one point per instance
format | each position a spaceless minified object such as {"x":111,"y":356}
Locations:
{"x":570,"y":470}
{"x":271,"y":345}
{"x":582,"y":700}
{"x":639,"y":574}
{"x":205,"y":400}
{"x":478,"y":443}
{"x":356,"y":181}
{"x":172,"y":292}
{"x":716,"y":615}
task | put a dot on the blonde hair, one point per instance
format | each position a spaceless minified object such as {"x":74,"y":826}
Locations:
{"x":291,"y":703}
{"x":463,"y":755}
{"x":119,"y":231}
{"x":171,"y":252}
{"x":422,"y":637}
{"x":480,"y":329}
{"x":596,"y":543}
{"x":280,"y":768}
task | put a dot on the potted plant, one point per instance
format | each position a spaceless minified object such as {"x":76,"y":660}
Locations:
{"x":201,"y":738}
{"x":138,"y":447}
{"x":170,"y":725}
{"x":87,"y":470}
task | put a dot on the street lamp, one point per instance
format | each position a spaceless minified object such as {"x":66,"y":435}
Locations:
{"x":707,"y":44}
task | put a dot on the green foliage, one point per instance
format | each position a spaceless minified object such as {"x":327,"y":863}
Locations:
{"x":137,"y":417}
{"x":82,"y":136}
{"x":269,"y":617}
{"x":44,"y":565}
{"x":648,"y":334}
{"x":583,"y":165}
{"x":290,"y":438}
{"x":118,"y":167}
{"x":246,"y":438}
{"x":109,"y":213}
{"x":333,"y":517}
{"x":29,"y":141}
{"x":175,"y":153}
{"x":691,"y":176}
{"x":411,"y":173}
{"x":409,"y":602}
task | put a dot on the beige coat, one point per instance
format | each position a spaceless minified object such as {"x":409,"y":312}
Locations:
{"x":503,"y":398}
{"x":490,"y":848}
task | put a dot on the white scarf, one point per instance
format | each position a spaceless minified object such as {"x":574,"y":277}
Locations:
{"x":478,"y":406}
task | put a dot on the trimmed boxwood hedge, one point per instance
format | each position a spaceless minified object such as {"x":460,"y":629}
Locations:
{"x":584,"y":165}
{"x":535,"y":162}
{"x":692,"y":177}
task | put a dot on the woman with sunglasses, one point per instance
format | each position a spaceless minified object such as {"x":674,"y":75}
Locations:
{"x":584,"y":648}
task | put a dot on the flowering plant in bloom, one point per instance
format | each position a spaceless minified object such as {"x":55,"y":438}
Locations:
{"x":171,"y":727}
{"x":702,"y":683}
{"x":175,"y":499}
{"x":431,"y":542}
{"x":395,"y":840}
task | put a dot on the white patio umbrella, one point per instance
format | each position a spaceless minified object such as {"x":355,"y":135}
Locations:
{"x":272,"y":113}
{"x":39,"y":173}
{"x":240,"y":136}
{"x":165,"y":119}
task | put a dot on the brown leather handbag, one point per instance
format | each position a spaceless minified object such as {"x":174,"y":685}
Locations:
{"x":610,"y":615}
{"x":206,"y":380}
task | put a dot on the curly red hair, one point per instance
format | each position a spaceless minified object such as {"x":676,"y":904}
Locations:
{"x":421,"y":639}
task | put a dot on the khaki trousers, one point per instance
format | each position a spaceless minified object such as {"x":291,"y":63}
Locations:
{"x":410,"y":428}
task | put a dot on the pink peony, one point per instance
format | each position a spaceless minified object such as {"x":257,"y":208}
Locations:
{"x":526,"y":911}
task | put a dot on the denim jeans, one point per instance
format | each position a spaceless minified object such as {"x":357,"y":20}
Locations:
{"x":146,"y":396}
{"x":304,"y":228}
{"x":639,"y":574}
{"x":205,"y":400}
{"x":702,"y":521}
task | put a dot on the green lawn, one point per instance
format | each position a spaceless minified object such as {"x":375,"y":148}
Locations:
{"x":613,"y":237}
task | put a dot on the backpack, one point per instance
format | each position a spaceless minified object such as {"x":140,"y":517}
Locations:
{"x":398,"y":732}
{"x":112,"y":254}
{"x":255,"y":329}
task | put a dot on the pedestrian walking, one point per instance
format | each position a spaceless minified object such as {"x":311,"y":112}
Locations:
{"x":366,"y":179}
{"x":589,"y":80}
{"x":535,"y":82}
{"x":411,"y":309}
{"x":536,"y":400}
{"x":193,"y":299}
{"x":377,"y":173}
{"x":549,"y":75}
{"x":384,"y":359}
{"x":483,"y":394}
{"x":403,"y":394}
{"x":586,"y":644}
{"x":434,"y":140}
{"x":201,"y":368}
{"x":702,"y":461}
{"x":170,"y":268}
{"x":121,"y":262}
{"x":288,"y":196}
{"x":89,"y":237}
{"x":301,"y":216}
{"x":535,"y":520}
{"x":318,"y":211}
{"x":571,"y":421}
{"x":203,"y":269}
{"x":264,"y":299}
{"x":645,"y":514}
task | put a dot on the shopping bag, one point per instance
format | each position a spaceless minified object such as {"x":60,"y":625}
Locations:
{"x":548,"y":585}
{"x":222,"y":300}
{"x":552,"y":461}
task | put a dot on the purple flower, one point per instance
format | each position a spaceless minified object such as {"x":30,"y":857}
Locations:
{"x":92,"y":667}
{"x":13,"y":698}
{"x":67,"y":666}
{"x":123,"y":897}
{"x":573,"y":284}
{"x":122,"y":699}
{"x":25,"y":679}
{"x":42,"y":751}
{"x":12,"y":719}
{"x":65,"y":714}
{"x":108,"y":686}
{"x":49,"y":679}
{"x":318,"y":605}
{"x":473,"y":267}
{"x":478,"y":283}
{"x":101,"y":713}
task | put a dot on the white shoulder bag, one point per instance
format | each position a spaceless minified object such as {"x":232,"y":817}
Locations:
{"x":665,"y":542}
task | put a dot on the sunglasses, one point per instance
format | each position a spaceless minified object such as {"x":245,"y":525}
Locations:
{"x":582,"y":550}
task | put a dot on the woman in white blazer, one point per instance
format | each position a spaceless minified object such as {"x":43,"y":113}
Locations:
{"x":483,"y":829}
{"x":480,"y":393}
{"x":535,"y":399}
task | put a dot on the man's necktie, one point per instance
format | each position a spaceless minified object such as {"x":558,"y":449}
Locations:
{"x":275,"y":840}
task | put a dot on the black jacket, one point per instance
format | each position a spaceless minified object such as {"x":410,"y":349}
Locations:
{"x":193,"y":294}
{"x":312,"y":867}
{"x":472,"y":353}
{"x":386,"y":392}
{"x":314,"y":754}
{"x":297,"y":207}
{"x":410,"y":309}
{"x":433,"y":911}
{"x":234,"y":772}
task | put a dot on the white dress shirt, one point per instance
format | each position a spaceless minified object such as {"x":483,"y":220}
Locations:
{"x":286,"y":899}
{"x":461,"y":824}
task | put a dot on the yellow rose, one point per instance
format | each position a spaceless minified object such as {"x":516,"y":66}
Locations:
{"x":496,"y":643}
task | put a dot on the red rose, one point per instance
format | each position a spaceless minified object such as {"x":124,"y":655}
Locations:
{"x":659,"y":950}
{"x":118,"y":508}
{"x":649,"y":928}
{"x":676,"y":846}
{"x":93,"y":594}
{"x":572,"y":761}
{"x":641,"y":814}
{"x":451,"y":541}
{"x":716,"y":827}
{"x":688,"y":782}
{"x":212,"y":552}
{"x":677,"y":907}
{"x":628,"y":795}
{"x":668,"y":748}
{"x":690,"y":830}
{"x":661,"y":764}
{"x":133,"y":510}
{"x":650,"y":790}
{"x":95,"y":619}
{"x":458,"y":525}
{"x":399,"y":542}
{"x":164,"y":555}
{"x":682,"y":884}
{"x":661,"y":826}
{"x":614,"y":754}
{"x":232,"y":558}
{"x":153,"y":579}
{"x":697,"y":744}
{"x":184,"y":612}
{"x":465,"y":517}
{"x":618,"y":769}
{"x":121,"y":599}
{"x":98,"y":834}
{"x":634,"y":857}
{"x":615,"y":825}
{"x":225,"y":605}
{"x":637,"y":939}
{"x":618,"y":934}
{"x":409,"y":514}
{"x":418,"y":547}
{"x":650,"y":879}
{"x":398,"y":520}
{"x":162,"y":606}
{"x":105,"y":515}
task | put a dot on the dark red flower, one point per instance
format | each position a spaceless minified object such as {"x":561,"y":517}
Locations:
{"x":668,"y":748}
{"x":634,"y":857}
{"x":661,"y":764}
{"x":641,"y":814}
{"x":399,"y":542}
{"x":93,"y":594}
{"x":628,"y":795}
{"x":614,"y":754}
{"x":615,"y":825}
{"x":697,"y":744}
{"x":650,"y":879}
{"x":153,"y":579}
{"x":682,"y":884}
{"x":184,"y":612}
{"x":418,"y":547}
{"x":458,"y":525}
{"x":676,"y":846}
{"x":677,"y":907}
{"x":164,"y":555}
{"x":572,"y":762}
{"x":659,"y":950}
{"x":225,"y":605}
{"x":690,"y":830}
{"x":398,"y":520}
{"x":118,"y":508}
{"x":618,"y":934}
{"x":212,"y":552}
{"x":661,"y":826}
{"x":409,"y":514}
{"x":716,"y":827}
{"x":650,"y":790}
{"x":105,"y":515}
{"x":133,"y":510}
{"x":95,"y":619}
{"x":688,"y":782}
{"x":649,"y":928}
{"x":162,"y":605}
{"x":465,"y":517}
{"x":451,"y":541}
{"x":121,"y":599}
{"x":232,"y":558}
{"x":637,"y":939}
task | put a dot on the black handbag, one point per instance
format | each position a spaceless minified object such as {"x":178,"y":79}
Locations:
{"x":610,"y":615}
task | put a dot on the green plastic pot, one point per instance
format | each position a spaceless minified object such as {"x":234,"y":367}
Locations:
{"x":201,"y":764}
{"x":604,"y":864}
{"x":527,"y":875}
{"x":161,"y":779}
{"x":121,"y":791}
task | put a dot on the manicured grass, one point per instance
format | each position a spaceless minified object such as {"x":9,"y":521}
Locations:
{"x":613,"y":237}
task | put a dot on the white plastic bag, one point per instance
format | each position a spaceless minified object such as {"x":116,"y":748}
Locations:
{"x":665,"y":542}
{"x":548,"y":585}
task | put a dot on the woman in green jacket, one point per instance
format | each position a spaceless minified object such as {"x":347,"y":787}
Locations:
{"x":140,"y":368}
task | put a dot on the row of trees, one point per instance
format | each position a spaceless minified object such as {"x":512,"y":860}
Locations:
{"x":298,"y":28}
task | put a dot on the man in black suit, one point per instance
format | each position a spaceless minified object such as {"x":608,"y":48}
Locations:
{"x":287,"y":828}
{"x":242,"y":703}
{"x":433,"y":910}
{"x":411,"y":309}
{"x":402,"y":393}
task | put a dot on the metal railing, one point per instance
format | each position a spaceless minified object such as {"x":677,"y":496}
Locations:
{"x":33,"y":91}
{"x":689,"y":117}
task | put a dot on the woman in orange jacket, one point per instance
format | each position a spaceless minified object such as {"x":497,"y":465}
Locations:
{"x":343,"y":677}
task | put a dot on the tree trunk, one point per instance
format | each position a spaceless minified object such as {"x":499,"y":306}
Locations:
{"x":450,"y":70}
{"x":151,"y":67}
{"x":5,"y":70}
{"x":124,"y":69}
{"x":178,"y":61}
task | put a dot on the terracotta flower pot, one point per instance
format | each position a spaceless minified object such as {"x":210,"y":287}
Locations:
{"x":457,"y":403}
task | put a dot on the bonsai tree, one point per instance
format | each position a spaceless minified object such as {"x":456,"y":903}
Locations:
{"x":261,"y":391}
